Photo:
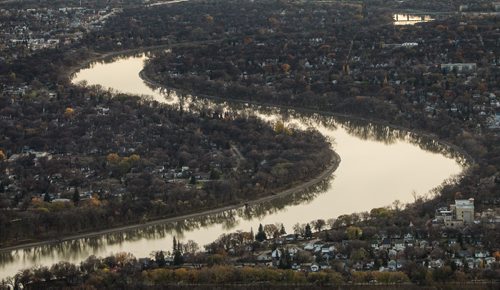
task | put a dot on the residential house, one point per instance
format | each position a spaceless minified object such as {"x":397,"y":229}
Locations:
{"x":290,"y":237}
{"x":264,"y":257}
{"x":315,"y":267}
{"x":392,"y":265}
{"x":436,"y":264}
{"x":293,"y":251}
{"x":393,"y":253}
{"x":309,"y":246}
{"x":470,"y":263}
{"x":327,"y":249}
{"x":399,"y":244}
{"x":489,"y":261}
{"x":386,"y":244}
{"x":409,"y":240}
{"x":458,"y":262}
{"x":458,"y":67}
{"x":276,"y":254}
{"x":481,"y":254}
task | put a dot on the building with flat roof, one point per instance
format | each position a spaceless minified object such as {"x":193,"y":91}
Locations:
{"x":459,"y":214}
{"x":463,"y":210}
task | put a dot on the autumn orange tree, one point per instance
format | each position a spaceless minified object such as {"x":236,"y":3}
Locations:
{"x":69,"y":112}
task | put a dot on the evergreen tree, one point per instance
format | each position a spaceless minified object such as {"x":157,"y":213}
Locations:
{"x":285,"y":261}
{"x":261,"y":235}
{"x":178,"y":258}
{"x":177,"y":250}
{"x":76,"y":196}
{"x":214,"y":174}
{"x":282,"y":230}
{"x":160,"y":259}
{"x":460,"y":240}
{"x":308,"y":232}
{"x":326,"y":236}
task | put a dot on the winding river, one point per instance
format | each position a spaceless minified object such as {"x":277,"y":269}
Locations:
{"x":379,"y":166}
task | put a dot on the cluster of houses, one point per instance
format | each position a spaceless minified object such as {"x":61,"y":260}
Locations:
{"x":65,"y":192}
{"x":454,"y":244}
{"x":398,"y":45}
{"x":60,"y":189}
{"x":455,"y":91}
{"x":458,"y":67}
{"x":480,"y":8}
{"x":326,"y":251}
{"x":426,"y":72}
{"x":14,"y":188}
{"x":388,"y":253}
{"x":41,"y":28}
{"x":409,"y":19}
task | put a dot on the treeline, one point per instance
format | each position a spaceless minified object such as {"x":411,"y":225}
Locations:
{"x":116,"y":161}
{"x":126,"y":272}
{"x":34,"y":4}
{"x":208,"y":20}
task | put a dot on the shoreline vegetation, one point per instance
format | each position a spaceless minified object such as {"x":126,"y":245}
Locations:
{"x":469,"y":159}
{"x":69,"y":73}
{"x":296,"y":189}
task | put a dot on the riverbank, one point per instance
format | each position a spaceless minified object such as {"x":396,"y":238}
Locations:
{"x":469,"y":160}
{"x":296,"y":189}
{"x":97,"y":57}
